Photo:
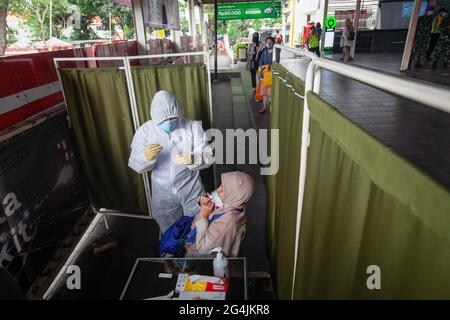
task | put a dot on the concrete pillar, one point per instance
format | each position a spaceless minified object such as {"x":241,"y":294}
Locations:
{"x":203,"y":30}
{"x":410,"y":37}
{"x":293,"y":14}
{"x":324,"y":10}
{"x":141,"y":37}
{"x":176,"y":42}
{"x":355,"y":25}
{"x":191,"y":17}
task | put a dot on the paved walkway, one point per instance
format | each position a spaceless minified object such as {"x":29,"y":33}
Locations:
{"x":230,"y":100}
{"x":419,"y":133}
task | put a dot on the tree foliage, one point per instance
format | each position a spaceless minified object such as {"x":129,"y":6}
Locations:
{"x":89,"y":9}
{"x":36,"y":14}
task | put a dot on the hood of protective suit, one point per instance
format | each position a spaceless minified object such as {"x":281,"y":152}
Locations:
{"x":164,"y":106}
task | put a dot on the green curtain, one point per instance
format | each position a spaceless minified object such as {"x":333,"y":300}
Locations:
{"x":98,"y":106}
{"x":188,"y":82}
{"x":366,"y":205}
{"x":282,"y":188}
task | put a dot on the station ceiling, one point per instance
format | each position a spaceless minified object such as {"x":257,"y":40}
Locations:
{"x":227,"y":1}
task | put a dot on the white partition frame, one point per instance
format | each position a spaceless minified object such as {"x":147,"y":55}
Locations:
{"x":136,"y":123}
{"x":133,"y":105}
{"x":432,"y":95}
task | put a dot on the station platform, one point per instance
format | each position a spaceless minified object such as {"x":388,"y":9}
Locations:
{"x":419,"y":133}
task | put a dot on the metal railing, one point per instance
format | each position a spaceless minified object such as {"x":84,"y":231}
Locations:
{"x":433,"y":95}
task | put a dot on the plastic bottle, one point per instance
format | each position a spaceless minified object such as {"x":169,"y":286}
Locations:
{"x":220,"y":263}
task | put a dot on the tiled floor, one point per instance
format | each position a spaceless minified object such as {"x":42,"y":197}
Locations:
{"x":419,"y":133}
{"x":232,"y":111}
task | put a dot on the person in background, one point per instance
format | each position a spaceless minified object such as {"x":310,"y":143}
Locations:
{"x":264,"y":64}
{"x":442,"y":50}
{"x":278,"y":40}
{"x":175,"y":158}
{"x":435,"y":32}
{"x":347,"y":40}
{"x":251,"y":58}
{"x":422,"y":35}
{"x":312,"y":43}
{"x":319,"y":30}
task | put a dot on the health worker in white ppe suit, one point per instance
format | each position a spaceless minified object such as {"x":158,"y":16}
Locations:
{"x":172,"y":147}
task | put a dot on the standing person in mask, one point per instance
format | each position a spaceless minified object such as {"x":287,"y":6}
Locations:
{"x":172,"y":147}
{"x":278,"y":40}
{"x":435,"y":32}
{"x":265,"y":61}
{"x":251,"y":58}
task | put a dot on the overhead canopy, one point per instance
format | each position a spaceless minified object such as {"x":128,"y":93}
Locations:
{"x":226,"y":1}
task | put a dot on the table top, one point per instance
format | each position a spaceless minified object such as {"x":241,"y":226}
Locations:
{"x":157,"y":277}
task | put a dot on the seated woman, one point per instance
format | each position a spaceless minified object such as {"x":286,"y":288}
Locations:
{"x":220,"y":222}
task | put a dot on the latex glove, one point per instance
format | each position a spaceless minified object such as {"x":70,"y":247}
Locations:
{"x":184,"y":158}
{"x":152,"y":151}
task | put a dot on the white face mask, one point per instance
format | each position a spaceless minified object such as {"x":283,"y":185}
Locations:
{"x":216,"y":199}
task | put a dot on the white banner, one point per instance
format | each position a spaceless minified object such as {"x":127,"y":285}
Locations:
{"x":161,"y":14}
{"x":308,"y":6}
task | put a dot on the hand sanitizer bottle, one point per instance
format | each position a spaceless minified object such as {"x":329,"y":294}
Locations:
{"x":220,"y":263}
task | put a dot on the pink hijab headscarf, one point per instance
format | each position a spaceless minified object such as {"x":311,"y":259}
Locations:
{"x":238,"y":188}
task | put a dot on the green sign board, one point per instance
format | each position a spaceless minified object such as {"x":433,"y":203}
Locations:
{"x":248,"y":10}
{"x":330,"y":23}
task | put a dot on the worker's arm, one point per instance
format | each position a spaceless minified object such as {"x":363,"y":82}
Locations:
{"x":138,"y":161}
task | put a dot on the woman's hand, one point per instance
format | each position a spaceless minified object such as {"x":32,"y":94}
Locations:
{"x":204,"y":199}
{"x":206,"y":210}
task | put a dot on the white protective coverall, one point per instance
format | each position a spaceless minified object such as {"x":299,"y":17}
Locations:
{"x":176,"y":188}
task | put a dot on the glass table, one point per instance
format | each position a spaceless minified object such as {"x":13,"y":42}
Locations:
{"x":153,"y":278}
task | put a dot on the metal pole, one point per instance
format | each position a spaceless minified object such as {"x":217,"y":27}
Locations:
{"x":141,"y":37}
{"x":136,"y":122}
{"x":292,"y":39}
{"x":355,"y":26}
{"x":410,"y":37}
{"x":50,"y":19}
{"x":309,"y":86}
{"x":324,"y":28}
{"x":215,"y":40}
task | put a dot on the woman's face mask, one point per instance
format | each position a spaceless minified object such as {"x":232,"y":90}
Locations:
{"x":269,"y":45}
{"x":216,"y":199}
{"x":169,"y":125}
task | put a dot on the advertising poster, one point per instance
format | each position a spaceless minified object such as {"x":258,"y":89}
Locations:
{"x":42,"y":197}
